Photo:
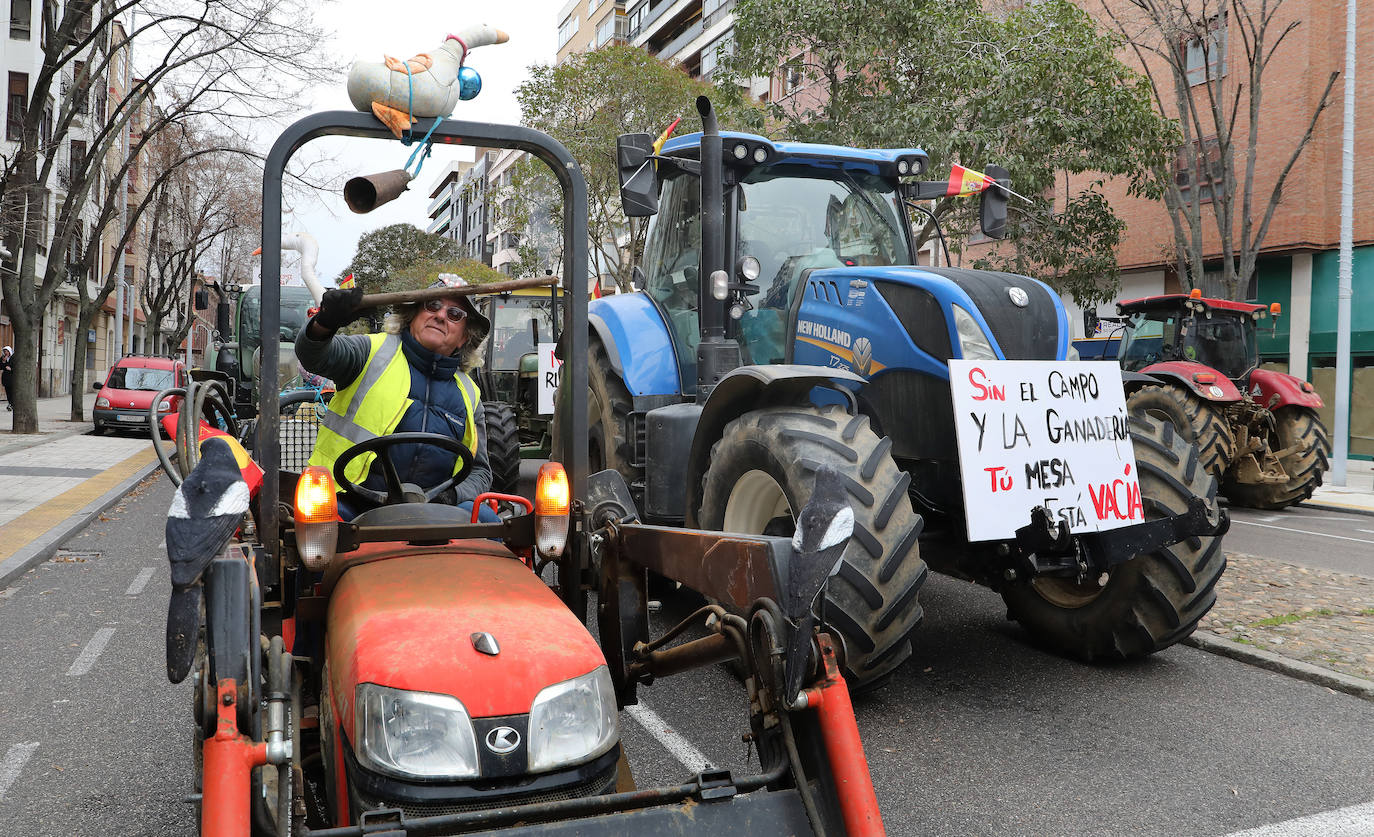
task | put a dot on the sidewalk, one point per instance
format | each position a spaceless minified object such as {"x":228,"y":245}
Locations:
{"x":1357,"y":495}
{"x":54,"y":482}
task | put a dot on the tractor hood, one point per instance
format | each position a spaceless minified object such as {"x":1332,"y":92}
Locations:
{"x":407,"y":622}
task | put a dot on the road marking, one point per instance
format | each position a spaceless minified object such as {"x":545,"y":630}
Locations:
{"x":682,"y":749}
{"x":1303,"y":531}
{"x":140,"y":581}
{"x":14,"y":762}
{"x":1355,"y":821}
{"x":88,"y":655}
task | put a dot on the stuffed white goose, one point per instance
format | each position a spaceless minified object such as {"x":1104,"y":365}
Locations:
{"x":430,"y":88}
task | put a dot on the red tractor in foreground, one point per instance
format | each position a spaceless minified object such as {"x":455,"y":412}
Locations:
{"x":1257,"y":430}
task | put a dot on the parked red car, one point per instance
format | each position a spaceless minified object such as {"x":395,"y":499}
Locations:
{"x":129,"y":389}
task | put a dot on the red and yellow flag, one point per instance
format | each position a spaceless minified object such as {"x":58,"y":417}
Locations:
{"x":964,"y":181}
{"x":663,"y":137}
{"x":347,"y":282}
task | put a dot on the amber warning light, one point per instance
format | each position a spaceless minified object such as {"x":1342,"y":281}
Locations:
{"x":317,"y":517}
{"x":551,"y":509}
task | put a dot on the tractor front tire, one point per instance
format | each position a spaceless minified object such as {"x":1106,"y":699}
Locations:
{"x":609,"y":438}
{"x":1195,"y":420}
{"x":762,"y":473}
{"x":503,"y":446}
{"x":1154,"y":599}
{"x":1298,"y":426}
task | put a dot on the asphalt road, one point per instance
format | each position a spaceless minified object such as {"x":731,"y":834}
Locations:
{"x":1331,"y":540}
{"x":980,"y":734}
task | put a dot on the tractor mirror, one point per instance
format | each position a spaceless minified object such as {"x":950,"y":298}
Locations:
{"x":638,"y":177}
{"x":992,"y":208}
{"x":1090,"y":322}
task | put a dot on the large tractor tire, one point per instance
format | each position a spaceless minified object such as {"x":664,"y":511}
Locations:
{"x":503,"y":446}
{"x":1292,"y":426}
{"x":762,"y":473}
{"x":609,"y":439}
{"x":1151,"y":601}
{"x":1197,"y":421}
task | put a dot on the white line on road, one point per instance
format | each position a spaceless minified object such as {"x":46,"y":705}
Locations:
{"x":88,"y":655}
{"x":14,"y":762}
{"x":681,"y":748}
{"x":140,"y":581}
{"x":1303,"y":531}
{"x":1355,"y":821}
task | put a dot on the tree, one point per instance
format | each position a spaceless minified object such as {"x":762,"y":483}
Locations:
{"x":532,"y":208}
{"x":1037,"y":89}
{"x":385,"y":251}
{"x":229,"y":62}
{"x":1188,"y":49}
{"x":594,"y":97}
{"x":421,"y":274}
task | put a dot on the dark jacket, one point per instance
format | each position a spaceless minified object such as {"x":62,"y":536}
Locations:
{"x":438,"y":408}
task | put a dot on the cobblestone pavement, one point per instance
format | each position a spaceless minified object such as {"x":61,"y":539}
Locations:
{"x":1318,"y":616}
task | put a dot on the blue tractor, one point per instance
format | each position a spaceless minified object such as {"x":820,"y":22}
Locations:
{"x":780,"y":325}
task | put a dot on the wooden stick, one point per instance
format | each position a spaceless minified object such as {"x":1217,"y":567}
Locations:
{"x":398,"y":297}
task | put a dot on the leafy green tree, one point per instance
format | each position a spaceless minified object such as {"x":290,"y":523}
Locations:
{"x":388,"y":250}
{"x":1037,"y":89}
{"x":589,"y":100}
{"x":421,"y":274}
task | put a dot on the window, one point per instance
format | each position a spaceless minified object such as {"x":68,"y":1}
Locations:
{"x":21,"y":19}
{"x":1205,"y":57}
{"x":18,"y":106}
{"x":709,"y":6}
{"x":81,"y":88}
{"x":636,"y":18}
{"x":1199,"y":165}
{"x":613,"y":26}
{"x":83,"y":25}
{"x":714,"y":52}
{"x":791,"y":76}
{"x":49,"y":21}
{"x":591,"y":7}
{"x":567,"y":29}
{"x":45,"y":126}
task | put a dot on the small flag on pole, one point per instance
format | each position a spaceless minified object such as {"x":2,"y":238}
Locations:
{"x":663,"y":137}
{"x":347,"y":282}
{"x":964,"y":181}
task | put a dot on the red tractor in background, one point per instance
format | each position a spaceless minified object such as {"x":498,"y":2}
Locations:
{"x":1256,"y":429}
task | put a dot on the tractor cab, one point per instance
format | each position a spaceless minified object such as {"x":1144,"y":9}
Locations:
{"x":1218,"y":334}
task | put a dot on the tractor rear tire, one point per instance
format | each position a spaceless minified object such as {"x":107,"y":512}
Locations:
{"x":1292,"y":426}
{"x":763,"y":470}
{"x":1154,"y":599}
{"x":1195,"y":420}
{"x":503,"y":446}
{"x":609,"y":436}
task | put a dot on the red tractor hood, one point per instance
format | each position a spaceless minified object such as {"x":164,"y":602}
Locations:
{"x":407,"y":622}
{"x":1219,"y":388}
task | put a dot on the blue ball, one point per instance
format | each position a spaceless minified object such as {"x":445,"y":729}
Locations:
{"x":469,"y":83}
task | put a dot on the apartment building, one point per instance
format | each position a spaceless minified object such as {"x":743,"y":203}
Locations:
{"x":459,"y":207}
{"x":1299,"y":259}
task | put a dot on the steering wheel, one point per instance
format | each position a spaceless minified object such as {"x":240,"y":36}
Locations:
{"x":395,"y":492}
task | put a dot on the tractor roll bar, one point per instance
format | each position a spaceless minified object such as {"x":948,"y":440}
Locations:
{"x":451,"y":132}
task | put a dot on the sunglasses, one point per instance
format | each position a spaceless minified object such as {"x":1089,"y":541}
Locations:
{"x":454,"y":313}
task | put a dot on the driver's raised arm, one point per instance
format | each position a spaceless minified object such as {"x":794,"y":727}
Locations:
{"x":339,"y":357}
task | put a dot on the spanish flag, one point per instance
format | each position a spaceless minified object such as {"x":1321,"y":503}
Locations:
{"x":964,"y":181}
{"x":347,"y":282}
{"x":663,"y":137}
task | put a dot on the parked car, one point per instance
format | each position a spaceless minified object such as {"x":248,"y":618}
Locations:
{"x":129,"y":389}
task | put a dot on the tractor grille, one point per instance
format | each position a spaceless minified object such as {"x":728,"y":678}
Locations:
{"x":920,"y":315}
{"x":300,"y":422}
{"x":1030,"y":333}
{"x":596,"y":785}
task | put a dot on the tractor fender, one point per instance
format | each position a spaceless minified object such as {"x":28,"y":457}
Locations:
{"x":1219,"y":391}
{"x":750,"y":388}
{"x":637,"y":343}
{"x":1291,"y":391}
{"x":1132,"y":381}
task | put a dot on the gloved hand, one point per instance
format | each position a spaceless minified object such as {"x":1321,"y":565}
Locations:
{"x":339,"y":307}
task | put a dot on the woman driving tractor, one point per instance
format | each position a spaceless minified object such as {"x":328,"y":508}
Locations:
{"x":412,"y":377}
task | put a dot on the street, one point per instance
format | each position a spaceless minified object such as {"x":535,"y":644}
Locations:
{"x":979,"y":734}
{"x":1331,"y":540}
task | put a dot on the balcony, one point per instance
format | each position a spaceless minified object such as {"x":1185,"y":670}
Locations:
{"x":672,"y":48}
{"x":438,"y":204}
{"x":660,"y":14}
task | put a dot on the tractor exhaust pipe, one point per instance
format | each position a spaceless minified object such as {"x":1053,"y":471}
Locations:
{"x":366,"y":193}
{"x":716,"y":355}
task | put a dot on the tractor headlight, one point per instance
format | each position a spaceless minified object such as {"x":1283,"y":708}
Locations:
{"x":415,"y":735}
{"x":973,"y":344}
{"x":573,"y":721}
{"x":165,"y":405}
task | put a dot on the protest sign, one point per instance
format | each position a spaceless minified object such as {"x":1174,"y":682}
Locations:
{"x":550,"y":372}
{"x":1043,"y":433}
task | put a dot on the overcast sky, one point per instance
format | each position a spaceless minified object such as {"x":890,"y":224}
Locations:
{"x":367,"y":30}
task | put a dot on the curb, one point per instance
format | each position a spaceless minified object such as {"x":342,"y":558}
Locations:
{"x":1338,"y":507}
{"x":45,"y":546}
{"x":1280,"y":664}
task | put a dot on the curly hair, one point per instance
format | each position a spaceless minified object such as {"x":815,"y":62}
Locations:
{"x":469,"y":354}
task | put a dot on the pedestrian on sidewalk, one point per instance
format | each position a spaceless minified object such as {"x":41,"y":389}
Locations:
{"x":7,"y":375}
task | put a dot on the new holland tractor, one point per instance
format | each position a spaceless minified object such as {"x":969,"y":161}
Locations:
{"x":1257,"y":429}
{"x":412,"y":671}
{"x":782,"y":326}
